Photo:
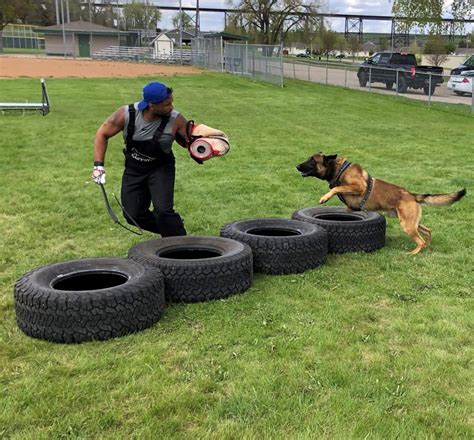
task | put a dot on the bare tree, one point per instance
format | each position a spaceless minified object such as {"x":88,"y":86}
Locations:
{"x":141,"y":15}
{"x":273,"y":19}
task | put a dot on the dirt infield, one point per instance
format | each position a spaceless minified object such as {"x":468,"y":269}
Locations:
{"x":36,"y":67}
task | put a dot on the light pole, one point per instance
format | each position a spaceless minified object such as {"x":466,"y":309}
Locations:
{"x":180,"y":32}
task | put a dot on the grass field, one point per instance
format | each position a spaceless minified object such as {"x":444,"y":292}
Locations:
{"x":372,"y":346}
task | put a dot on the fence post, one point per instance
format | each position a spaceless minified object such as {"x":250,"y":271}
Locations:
{"x":309,"y":77}
{"x":282,"y":66}
{"x":429,"y":89}
{"x":370,"y":77}
{"x":294,"y":70}
{"x":327,"y":69}
{"x":472,"y":94}
{"x":345,"y":76}
{"x":396,"y":83}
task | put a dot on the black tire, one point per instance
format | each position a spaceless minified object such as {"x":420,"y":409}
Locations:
{"x":402,"y":85}
{"x":389,"y":85}
{"x":347,"y":231}
{"x":280,"y":246}
{"x":426,"y":89}
{"x":459,"y":93}
{"x":90,"y":299}
{"x":198,"y":268}
{"x":363,"y":79}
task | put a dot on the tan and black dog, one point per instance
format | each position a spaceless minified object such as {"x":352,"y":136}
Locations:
{"x":359,"y":191}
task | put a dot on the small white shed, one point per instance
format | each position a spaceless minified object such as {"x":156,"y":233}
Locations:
{"x":162,"y":46}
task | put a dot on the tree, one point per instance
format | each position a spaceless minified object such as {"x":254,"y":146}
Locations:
{"x":273,"y":19}
{"x":140,"y":15}
{"x":435,"y":47}
{"x":328,"y":41}
{"x":14,"y":12}
{"x":383,"y":44}
{"x":429,"y":13}
{"x":187,"y":22}
{"x":354,"y":45}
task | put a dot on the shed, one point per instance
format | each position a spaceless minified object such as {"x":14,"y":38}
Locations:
{"x":162,"y":45}
{"x":79,"y":38}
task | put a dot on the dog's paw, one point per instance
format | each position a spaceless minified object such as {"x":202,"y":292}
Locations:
{"x":323,"y":200}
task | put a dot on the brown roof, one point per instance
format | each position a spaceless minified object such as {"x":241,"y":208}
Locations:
{"x":78,"y":26}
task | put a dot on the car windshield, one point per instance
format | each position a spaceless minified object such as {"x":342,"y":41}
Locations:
{"x":469,"y":61}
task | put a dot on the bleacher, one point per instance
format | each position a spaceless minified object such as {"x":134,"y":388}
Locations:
{"x":127,"y":53}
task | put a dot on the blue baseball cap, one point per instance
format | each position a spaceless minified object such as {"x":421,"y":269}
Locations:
{"x":154,"y":93}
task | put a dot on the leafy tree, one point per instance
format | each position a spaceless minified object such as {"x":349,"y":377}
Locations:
{"x":140,"y":15}
{"x":328,"y":41}
{"x":435,"y":48}
{"x":273,"y":19}
{"x":14,"y":12}
{"x":429,"y":13}
{"x":383,"y":44}
{"x":188,"y":24}
{"x":354,"y":45}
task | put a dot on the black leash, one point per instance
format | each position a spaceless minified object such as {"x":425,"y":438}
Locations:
{"x":114,"y":217}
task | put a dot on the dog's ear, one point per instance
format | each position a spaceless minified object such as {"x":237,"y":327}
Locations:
{"x":328,"y":159}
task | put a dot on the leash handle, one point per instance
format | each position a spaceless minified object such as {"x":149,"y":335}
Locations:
{"x":114,"y":217}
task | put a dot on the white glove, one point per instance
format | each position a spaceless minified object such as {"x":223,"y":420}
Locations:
{"x":98,"y":174}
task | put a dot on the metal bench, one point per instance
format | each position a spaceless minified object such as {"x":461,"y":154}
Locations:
{"x":43,"y":106}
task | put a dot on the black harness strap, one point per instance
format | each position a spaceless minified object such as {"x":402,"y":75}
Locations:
{"x":335,"y":182}
{"x":370,"y":185}
{"x":131,"y":126}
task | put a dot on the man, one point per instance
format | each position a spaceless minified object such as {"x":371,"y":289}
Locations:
{"x":149,"y":129}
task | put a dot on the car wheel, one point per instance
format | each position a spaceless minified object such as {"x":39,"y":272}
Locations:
{"x":389,"y":85}
{"x":347,"y":231}
{"x":280,"y":246}
{"x":198,"y":268}
{"x":90,"y":299}
{"x":402,"y":85}
{"x":459,"y":93}
{"x":363,"y":79}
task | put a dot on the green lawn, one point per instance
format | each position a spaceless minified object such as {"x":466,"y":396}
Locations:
{"x":369,"y":346}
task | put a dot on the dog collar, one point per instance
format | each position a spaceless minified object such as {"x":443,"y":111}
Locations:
{"x":335,"y":182}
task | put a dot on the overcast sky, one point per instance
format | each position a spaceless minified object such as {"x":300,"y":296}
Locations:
{"x":215,"y":21}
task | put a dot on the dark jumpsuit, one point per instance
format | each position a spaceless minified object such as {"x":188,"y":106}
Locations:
{"x":149,"y":177}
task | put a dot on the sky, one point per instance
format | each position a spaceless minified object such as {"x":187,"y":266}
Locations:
{"x":215,"y":21}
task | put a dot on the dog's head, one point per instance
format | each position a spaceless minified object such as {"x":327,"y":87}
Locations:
{"x":319,"y":166}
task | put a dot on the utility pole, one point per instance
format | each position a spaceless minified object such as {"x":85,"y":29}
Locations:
{"x":198,"y":24}
{"x":58,"y":21}
{"x":180,"y":32}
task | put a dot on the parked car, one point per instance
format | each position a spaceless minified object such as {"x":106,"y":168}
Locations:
{"x":303,"y":55}
{"x":388,"y":68}
{"x":340,"y":56}
{"x":462,"y":84}
{"x":466,"y":65}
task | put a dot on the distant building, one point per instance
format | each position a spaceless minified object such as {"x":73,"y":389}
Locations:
{"x":163,"y":45}
{"x":79,"y":38}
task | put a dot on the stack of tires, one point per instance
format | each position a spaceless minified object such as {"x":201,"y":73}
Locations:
{"x":102,"y":298}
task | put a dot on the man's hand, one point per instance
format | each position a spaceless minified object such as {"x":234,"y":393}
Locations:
{"x":98,"y":174}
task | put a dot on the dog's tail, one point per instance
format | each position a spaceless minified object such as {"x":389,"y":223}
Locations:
{"x":440,"y":199}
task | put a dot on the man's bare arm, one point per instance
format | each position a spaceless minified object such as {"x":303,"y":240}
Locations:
{"x":111,"y":126}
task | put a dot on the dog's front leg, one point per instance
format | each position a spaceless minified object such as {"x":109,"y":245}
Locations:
{"x":339,"y":190}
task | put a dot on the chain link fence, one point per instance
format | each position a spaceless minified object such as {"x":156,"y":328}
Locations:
{"x":428,"y":87}
{"x":256,"y":61}
{"x":19,"y":36}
